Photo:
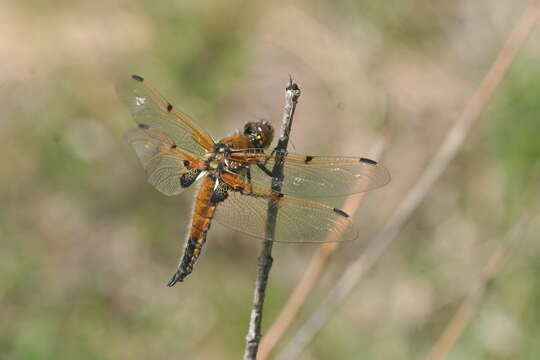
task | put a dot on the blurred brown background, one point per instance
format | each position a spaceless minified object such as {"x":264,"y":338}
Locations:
{"x":87,"y":246}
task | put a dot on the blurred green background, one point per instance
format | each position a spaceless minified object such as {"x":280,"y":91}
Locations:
{"x":86,"y":246}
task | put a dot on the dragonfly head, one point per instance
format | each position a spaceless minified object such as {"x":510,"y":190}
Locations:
{"x":260,"y":133}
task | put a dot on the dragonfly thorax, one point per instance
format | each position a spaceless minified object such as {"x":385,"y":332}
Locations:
{"x":221,"y":148}
{"x":213,"y":164}
{"x":215,"y":161}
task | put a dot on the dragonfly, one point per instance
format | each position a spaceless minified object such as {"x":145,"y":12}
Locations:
{"x":235,"y":175}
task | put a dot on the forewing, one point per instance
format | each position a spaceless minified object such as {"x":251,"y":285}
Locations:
{"x":316,"y":176}
{"x":164,"y":163}
{"x":297,"y":220}
{"x":150,"y":109}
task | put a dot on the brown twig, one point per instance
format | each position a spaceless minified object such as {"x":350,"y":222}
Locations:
{"x":253,"y":337}
{"x":447,"y":151}
{"x":312,"y":274}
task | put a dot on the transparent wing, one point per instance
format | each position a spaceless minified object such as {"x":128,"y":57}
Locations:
{"x":150,"y":109}
{"x":245,"y":210}
{"x":164,"y":163}
{"x":315,"y":176}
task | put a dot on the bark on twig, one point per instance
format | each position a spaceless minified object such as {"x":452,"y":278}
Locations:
{"x":445,"y":154}
{"x":253,"y":337}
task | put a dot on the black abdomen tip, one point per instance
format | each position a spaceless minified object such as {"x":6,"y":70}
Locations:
{"x":177,"y":277}
{"x":368,"y":161}
{"x":137,"y":77}
{"x":341,"y":212}
{"x":144,"y":126}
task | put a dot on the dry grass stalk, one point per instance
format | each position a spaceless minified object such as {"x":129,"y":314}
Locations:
{"x":468,"y":308}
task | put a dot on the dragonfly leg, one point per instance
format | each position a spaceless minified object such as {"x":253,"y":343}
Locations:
{"x":248,"y":173}
{"x":265,"y":170}
{"x":263,"y":166}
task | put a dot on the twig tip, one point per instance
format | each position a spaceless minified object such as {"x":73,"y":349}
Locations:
{"x":291,"y":85}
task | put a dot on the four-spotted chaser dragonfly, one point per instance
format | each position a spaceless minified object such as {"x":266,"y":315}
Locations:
{"x":235,"y":176}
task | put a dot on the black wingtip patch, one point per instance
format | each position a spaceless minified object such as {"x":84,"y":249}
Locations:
{"x":137,"y":77}
{"x":169,"y":107}
{"x":144,"y":126}
{"x":341,"y":212}
{"x":308,"y":159}
{"x":368,"y":161}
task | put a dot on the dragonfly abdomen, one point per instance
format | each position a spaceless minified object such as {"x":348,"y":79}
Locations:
{"x":200,"y":224}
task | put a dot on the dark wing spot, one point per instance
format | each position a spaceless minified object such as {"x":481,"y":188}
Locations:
{"x":189,"y":177}
{"x":220,"y":193}
{"x":186,"y":162}
{"x":341,"y":212}
{"x":137,"y":77}
{"x":169,"y":107}
{"x":308,"y":159}
{"x":173,"y":146}
{"x":280,"y":195}
{"x":368,"y":161}
{"x":144,"y":126}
